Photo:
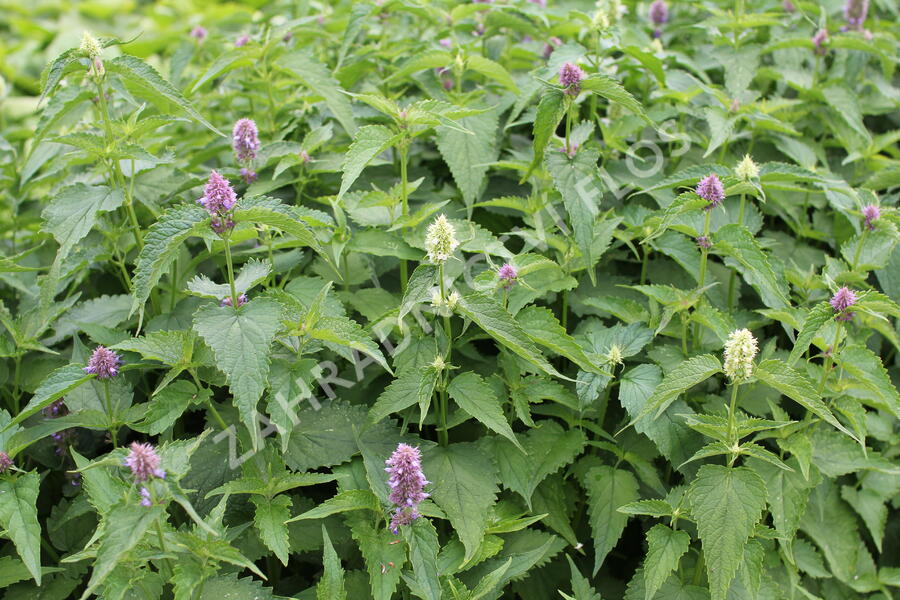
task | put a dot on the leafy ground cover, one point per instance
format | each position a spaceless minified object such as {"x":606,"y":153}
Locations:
{"x":448,"y":300}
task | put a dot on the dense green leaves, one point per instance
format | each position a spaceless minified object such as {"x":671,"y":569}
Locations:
{"x":547,"y":377}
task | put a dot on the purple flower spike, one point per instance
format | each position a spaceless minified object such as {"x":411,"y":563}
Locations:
{"x":542,"y":3}
{"x":843,"y":299}
{"x":819,"y":40}
{"x":711,"y":189}
{"x":242,"y":41}
{"x":703,"y":242}
{"x":446,"y":43}
{"x":659,"y":13}
{"x":855,"y":12}
{"x":144,"y":462}
{"x":872,"y":213}
{"x":508,"y":274}
{"x":104,"y":363}
{"x":242,"y":300}
{"x":407,"y":484}
{"x":198,"y":33}
{"x":788,"y":6}
{"x":304,"y":156}
{"x":145,"y":497}
{"x":248,"y":175}
{"x":570,"y":76}
{"x":245,"y":139}
{"x":5,"y":462}
{"x":218,"y":195}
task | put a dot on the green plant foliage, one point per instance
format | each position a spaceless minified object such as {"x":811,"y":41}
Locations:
{"x":450,"y":300}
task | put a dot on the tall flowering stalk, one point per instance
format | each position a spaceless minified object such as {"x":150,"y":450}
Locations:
{"x":711,"y":189}
{"x":219,"y":200}
{"x":92,"y":49}
{"x":841,"y":302}
{"x":440,"y":243}
{"x":407,"y":483}
{"x":740,"y":350}
{"x":570,"y":77}
{"x":104,"y":363}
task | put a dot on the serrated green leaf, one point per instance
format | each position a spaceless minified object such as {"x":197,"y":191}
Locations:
{"x":126,"y":525}
{"x":269,"y":520}
{"x":167,"y":406}
{"x":380,"y":554}
{"x":665,"y":547}
{"x":865,"y":366}
{"x":490,"y":315}
{"x":18,"y":517}
{"x":146,"y":83}
{"x":344,"y":501}
{"x":613,"y":91}
{"x":331,"y":585}
{"x":798,"y":388}
{"x":263,"y":210}
{"x":412,"y":385}
{"x":347,"y":332}
{"x":578,"y":181}
{"x":162,"y":242}
{"x":550,"y":112}
{"x":475,"y":397}
{"x":369,"y":142}
{"x":680,"y":379}
{"x":548,"y":448}
{"x":241,"y":340}
{"x":726,"y":504}
{"x":608,"y":489}
{"x":229,"y":587}
{"x":464,"y":486}
{"x":253,"y":272}
{"x":815,"y":319}
{"x":737,"y":243}
{"x":469,"y":156}
{"x":787,"y":496}
{"x":423,"y":551}
{"x":542,"y":327}
{"x":56,"y":385}
{"x":325,"y":436}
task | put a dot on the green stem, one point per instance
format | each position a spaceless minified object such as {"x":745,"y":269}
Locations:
{"x":117,"y":170}
{"x":443,"y":434}
{"x":568,"y":122}
{"x":704,"y":253}
{"x":234,"y":298}
{"x":113,"y":430}
{"x":732,"y":426}
{"x":826,"y":366}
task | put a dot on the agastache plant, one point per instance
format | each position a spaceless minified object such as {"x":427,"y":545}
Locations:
{"x":495,"y":300}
